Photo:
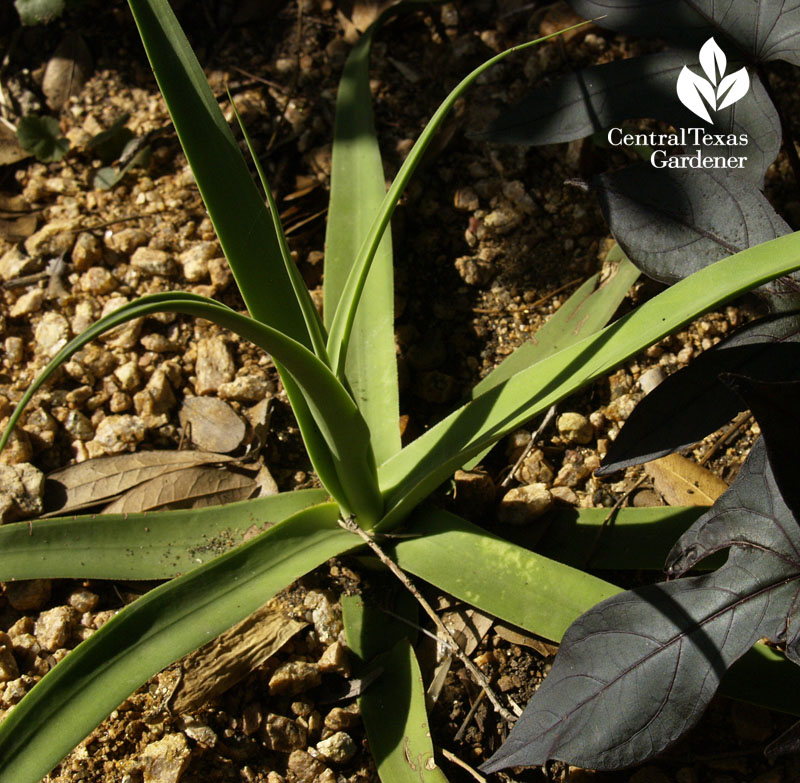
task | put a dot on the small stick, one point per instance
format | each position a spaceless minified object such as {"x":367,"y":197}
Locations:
{"x":463,"y":764}
{"x":548,"y":417}
{"x":446,"y":637}
{"x":472,"y":710}
{"x":726,"y":435}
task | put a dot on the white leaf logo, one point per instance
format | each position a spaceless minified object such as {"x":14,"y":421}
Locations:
{"x":717,"y":91}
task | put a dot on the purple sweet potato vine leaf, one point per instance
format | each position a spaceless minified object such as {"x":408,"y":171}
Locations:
{"x":637,"y":671}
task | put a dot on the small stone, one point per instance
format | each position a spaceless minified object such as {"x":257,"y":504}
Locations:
{"x":18,"y":448}
{"x":523,"y":505}
{"x":214,"y":365}
{"x":165,"y":760}
{"x":28,"y":595}
{"x":28,"y":304}
{"x":475,"y":492}
{"x":575,"y":470}
{"x":51,"y":334}
{"x":85,"y":315}
{"x":14,"y":263}
{"x":86,"y":252}
{"x":343,"y":718}
{"x":127,"y":240}
{"x":502,"y":220}
{"x":564,"y":495}
{"x":535,"y":469}
{"x":324,"y":614}
{"x":466,"y":200}
{"x":284,"y":734}
{"x":8,"y":663}
{"x":245,"y":388}
{"x":651,"y":378}
{"x":125,"y":335}
{"x":14,"y":350}
{"x":78,"y":426}
{"x":304,"y":768}
{"x":120,"y":433}
{"x":274,"y":777}
{"x":620,"y":408}
{"x":195,"y":730}
{"x":129,"y":376}
{"x":155,"y":401}
{"x":21,"y":492}
{"x":335,"y":660}
{"x":251,"y":718}
{"x":195,"y":261}
{"x":83,"y":600}
{"x":294,"y":677}
{"x":53,"y":239}
{"x":515,"y":192}
{"x":53,"y":627}
{"x":98,"y":280}
{"x":575,"y":428}
{"x":339,"y":748}
{"x":220,"y":273}
{"x":473,"y":271}
{"x":153,"y":262}
{"x":15,"y":690}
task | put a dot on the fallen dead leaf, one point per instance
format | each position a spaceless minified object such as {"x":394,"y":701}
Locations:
{"x":96,"y":480}
{"x":214,"y":425}
{"x":194,"y":487}
{"x":67,"y":70}
{"x":683,"y":482}
{"x":514,"y":636}
{"x":362,"y":13}
{"x":220,"y":664}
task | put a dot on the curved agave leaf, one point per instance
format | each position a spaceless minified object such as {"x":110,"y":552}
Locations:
{"x":424,"y":464}
{"x":241,"y":220}
{"x":762,"y":30}
{"x":346,"y":467}
{"x":163,"y":625}
{"x":342,"y":322}
{"x":139,"y":546}
{"x":393,"y":707}
{"x":357,"y":190}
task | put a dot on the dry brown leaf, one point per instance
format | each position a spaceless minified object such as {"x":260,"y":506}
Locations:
{"x":362,"y":13}
{"x":194,"y":487}
{"x":467,"y":626}
{"x":220,"y":664}
{"x":92,"y":482}
{"x":214,"y":425}
{"x":683,"y":482}
{"x":514,"y":636}
{"x":67,"y":70}
{"x":10,"y":151}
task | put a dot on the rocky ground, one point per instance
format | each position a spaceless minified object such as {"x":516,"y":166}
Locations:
{"x":489,"y":241}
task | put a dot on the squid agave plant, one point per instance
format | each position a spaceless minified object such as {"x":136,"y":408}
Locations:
{"x":340,"y":376}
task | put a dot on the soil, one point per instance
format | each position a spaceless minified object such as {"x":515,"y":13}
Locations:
{"x":489,"y":242}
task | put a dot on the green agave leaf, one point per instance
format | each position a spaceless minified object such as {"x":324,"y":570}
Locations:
{"x":149,"y":634}
{"x":393,"y":707}
{"x":340,"y":326}
{"x":357,"y":190}
{"x":525,"y":588}
{"x":419,"y":468}
{"x":544,"y":597}
{"x":241,"y":220}
{"x":346,"y":466}
{"x":590,"y":308}
{"x":310,"y":314}
{"x":138,"y":546}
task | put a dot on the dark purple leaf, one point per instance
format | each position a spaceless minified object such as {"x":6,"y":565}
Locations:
{"x":601,"y":96}
{"x":787,"y":743}
{"x":693,"y":402}
{"x":762,"y":30}
{"x":673,"y":222}
{"x":635,"y":672}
